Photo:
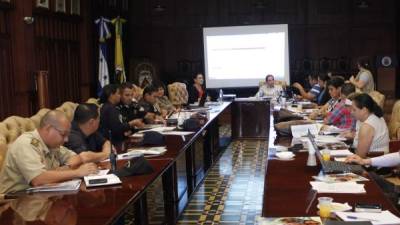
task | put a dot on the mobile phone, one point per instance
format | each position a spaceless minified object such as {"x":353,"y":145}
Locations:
{"x":364,"y":207}
{"x":98,"y":181}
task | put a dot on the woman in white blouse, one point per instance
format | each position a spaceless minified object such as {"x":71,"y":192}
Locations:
{"x":372,"y":134}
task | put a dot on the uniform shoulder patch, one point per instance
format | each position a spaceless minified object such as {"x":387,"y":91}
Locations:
{"x":35,"y":142}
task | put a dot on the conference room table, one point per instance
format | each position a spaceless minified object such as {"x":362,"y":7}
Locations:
{"x":287,"y":188}
{"x":181,"y":168}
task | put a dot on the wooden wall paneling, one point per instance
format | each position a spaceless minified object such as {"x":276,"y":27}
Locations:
{"x":327,"y":12}
{"x":376,"y":12}
{"x":21,"y":35}
{"x":84,"y":33}
{"x":289,"y":11}
{"x":331,"y":29}
{"x":6,"y":70}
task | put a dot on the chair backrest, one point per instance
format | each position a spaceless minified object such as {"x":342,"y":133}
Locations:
{"x":178,"y":94}
{"x":276,"y":82}
{"x":93,"y":101}
{"x":68,"y":108}
{"x":378,"y":98}
{"x":394,"y":125}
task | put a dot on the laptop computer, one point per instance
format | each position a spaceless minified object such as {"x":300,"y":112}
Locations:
{"x":201,"y":104}
{"x":333,"y":167}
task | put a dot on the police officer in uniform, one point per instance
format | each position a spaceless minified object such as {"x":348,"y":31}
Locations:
{"x":38,"y":157}
{"x":130,"y":110}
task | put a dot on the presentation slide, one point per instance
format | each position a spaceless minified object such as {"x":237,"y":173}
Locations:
{"x":241,"y":56}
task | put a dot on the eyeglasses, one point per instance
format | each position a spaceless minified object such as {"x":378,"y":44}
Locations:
{"x":63,"y":133}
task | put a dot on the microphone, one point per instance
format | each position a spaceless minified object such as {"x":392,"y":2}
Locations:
{"x":113,"y":155}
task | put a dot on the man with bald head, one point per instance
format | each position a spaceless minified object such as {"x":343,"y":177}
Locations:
{"x":38,"y":157}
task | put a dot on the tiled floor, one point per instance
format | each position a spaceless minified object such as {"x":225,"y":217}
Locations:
{"x":233,"y":190}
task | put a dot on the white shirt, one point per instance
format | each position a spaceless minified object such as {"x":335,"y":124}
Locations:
{"x":380,"y":142}
{"x":266,"y":91}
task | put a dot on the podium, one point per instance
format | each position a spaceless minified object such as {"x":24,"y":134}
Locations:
{"x":250,"y":118}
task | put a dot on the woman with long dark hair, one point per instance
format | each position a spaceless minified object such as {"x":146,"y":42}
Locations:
{"x":197,"y":90}
{"x":372,"y":134}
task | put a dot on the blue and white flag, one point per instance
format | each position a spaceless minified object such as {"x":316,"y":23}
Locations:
{"x":104,"y":33}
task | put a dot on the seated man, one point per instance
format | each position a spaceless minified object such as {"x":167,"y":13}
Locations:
{"x":269,"y":89}
{"x":38,"y":157}
{"x":129,"y":109}
{"x":147,"y":102}
{"x":314,"y":91}
{"x":84,"y":136}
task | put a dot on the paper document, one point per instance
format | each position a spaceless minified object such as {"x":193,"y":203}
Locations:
{"x":332,"y":130}
{"x":178,"y":132}
{"x":129,"y":155}
{"x":328,"y":139}
{"x":159,"y":129}
{"x":148,"y":151}
{"x":340,"y":153}
{"x":71,"y":185}
{"x":337,"y":178}
{"x":302,"y":130}
{"x":383,"y":218}
{"x":101,"y":180}
{"x":346,"y":187}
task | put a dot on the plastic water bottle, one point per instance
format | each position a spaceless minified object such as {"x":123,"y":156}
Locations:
{"x":221,"y":96}
{"x":311,"y":160}
{"x":260,"y":94}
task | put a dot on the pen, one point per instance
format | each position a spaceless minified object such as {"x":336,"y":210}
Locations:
{"x":360,"y":218}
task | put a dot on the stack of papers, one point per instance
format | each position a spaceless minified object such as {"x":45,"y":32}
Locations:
{"x":71,"y":185}
{"x":101,"y":180}
{"x":345,"y":187}
{"x":385,"y":217}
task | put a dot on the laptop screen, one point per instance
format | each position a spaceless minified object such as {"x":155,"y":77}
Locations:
{"x":314,"y":145}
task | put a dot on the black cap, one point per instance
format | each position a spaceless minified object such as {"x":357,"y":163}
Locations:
{"x":153,"y":138}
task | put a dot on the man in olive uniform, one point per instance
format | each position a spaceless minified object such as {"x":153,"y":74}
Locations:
{"x":38,"y":157}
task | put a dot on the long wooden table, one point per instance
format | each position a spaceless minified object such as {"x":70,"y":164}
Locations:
{"x":287,"y":191}
{"x":181,"y":169}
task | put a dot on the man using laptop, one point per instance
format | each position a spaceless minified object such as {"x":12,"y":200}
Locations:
{"x":38,"y":157}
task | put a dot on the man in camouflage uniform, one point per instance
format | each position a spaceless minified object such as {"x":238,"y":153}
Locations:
{"x":38,"y":157}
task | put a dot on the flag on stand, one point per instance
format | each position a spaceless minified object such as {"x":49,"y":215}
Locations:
{"x":119,"y":57}
{"x":104,"y":34}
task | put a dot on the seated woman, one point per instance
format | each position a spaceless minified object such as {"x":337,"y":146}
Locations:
{"x":111,"y":118}
{"x":197,"y":90}
{"x":340,"y":116}
{"x":371,"y":134}
{"x":269,"y":89}
{"x":162,"y":101}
